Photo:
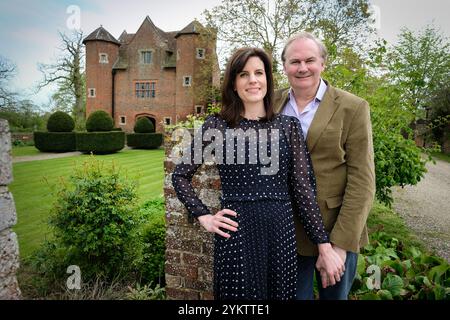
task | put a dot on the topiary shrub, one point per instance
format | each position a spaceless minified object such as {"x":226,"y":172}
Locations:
{"x":144,"y":125}
{"x":99,"y":121}
{"x":60,"y":122}
{"x":54,"y":141}
{"x":144,"y":140}
{"x":100,"y":142}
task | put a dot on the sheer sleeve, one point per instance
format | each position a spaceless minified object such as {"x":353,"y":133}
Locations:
{"x":182,"y":178}
{"x":302,"y":185}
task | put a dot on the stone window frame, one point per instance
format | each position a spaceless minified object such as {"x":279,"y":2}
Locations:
{"x":102,"y":55}
{"x":151,"y":89}
{"x":197,"y":107}
{"x":167,"y":123}
{"x":189,"y":82}
{"x":92,"y":93}
{"x":124,"y":122}
{"x":202,"y":55}
{"x":141,"y":56}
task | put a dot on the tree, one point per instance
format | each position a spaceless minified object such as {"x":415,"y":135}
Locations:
{"x":420,"y":64}
{"x":67,"y":72}
{"x":7,"y":72}
{"x":440,"y":114}
{"x":268,"y":23}
{"x":342,"y":23}
{"x":23,"y":116}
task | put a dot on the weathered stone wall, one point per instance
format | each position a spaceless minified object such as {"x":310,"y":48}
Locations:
{"x":9,"y":249}
{"x":189,"y":248}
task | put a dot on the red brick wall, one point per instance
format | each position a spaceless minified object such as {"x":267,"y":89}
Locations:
{"x":99,"y":75}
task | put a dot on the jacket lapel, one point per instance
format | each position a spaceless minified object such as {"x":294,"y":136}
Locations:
{"x":281,"y":97}
{"x":325,"y":111}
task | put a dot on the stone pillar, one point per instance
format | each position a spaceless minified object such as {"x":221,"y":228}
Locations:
{"x":189,"y":248}
{"x":9,"y":249}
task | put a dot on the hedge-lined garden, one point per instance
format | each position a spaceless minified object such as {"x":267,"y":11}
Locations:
{"x":101,"y":136}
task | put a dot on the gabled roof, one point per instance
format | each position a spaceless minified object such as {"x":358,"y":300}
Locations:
{"x":192,"y":28}
{"x":100,"y":34}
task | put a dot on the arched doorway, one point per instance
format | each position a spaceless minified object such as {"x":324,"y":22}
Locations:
{"x":148,"y":116}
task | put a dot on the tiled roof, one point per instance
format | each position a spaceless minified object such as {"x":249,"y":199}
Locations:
{"x":100,"y":34}
{"x":193,"y":27}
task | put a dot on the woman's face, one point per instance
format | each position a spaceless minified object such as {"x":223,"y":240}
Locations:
{"x":251,"y":82}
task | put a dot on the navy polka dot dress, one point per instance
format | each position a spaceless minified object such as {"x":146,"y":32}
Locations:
{"x":258,"y":262}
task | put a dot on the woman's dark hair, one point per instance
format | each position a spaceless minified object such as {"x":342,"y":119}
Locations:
{"x":232,"y":105}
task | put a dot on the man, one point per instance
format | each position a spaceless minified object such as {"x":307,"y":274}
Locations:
{"x":338,"y":133}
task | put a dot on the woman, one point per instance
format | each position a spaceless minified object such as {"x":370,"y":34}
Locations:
{"x":255,"y":247}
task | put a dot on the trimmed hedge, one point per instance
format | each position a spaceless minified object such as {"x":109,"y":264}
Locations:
{"x":100,"y":142}
{"x":55,"y":141}
{"x":60,"y":122}
{"x":144,"y":125}
{"x":144,"y":140}
{"x":99,"y":121}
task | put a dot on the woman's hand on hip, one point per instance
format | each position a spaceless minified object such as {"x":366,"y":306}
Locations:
{"x":214,"y":223}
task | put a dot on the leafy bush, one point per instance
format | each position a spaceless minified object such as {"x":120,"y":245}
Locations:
{"x":144,"y":140}
{"x":405,"y":272}
{"x":146,"y":293}
{"x":398,"y":162}
{"x":99,"y":121}
{"x":60,"y":122}
{"x":144,"y":125}
{"x":54,"y":141}
{"x":100,"y":142}
{"x":95,"y":220}
{"x":153,"y":237}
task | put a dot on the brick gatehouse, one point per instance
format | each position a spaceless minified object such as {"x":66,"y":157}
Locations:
{"x":151,"y":73}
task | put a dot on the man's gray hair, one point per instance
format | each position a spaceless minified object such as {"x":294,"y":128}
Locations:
{"x":305,"y":35}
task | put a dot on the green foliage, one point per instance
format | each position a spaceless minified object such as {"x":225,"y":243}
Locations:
{"x":144,"y":140}
{"x":440,"y":114}
{"x":95,"y":220}
{"x":419,"y":64}
{"x":405,"y":272}
{"x":398,"y":162}
{"x":196,"y":121}
{"x":99,"y":121}
{"x":153,"y":237}
{"x":23,"y":116}
{"x":60,"y":122}
{"x":146,"y":293}
{"x":144,"y":125}
{"x":100,"y":142}
{"x":54,"y":141}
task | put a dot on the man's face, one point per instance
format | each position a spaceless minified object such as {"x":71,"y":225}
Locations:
{"x":303,"y":64}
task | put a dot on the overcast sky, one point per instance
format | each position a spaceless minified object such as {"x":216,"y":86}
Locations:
{"x":29,"y":28}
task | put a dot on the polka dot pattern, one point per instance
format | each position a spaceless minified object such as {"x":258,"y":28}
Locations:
{"x":259,"y":260}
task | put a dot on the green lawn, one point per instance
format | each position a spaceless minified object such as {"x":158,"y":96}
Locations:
{"x":384,"y":218}
{"x":34,"y":181}
{"x":441,"y":156}
{"x":25,"y":151}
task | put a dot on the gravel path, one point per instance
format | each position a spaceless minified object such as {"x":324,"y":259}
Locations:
{"x":426,"y":207}
{"x":45,"y":156}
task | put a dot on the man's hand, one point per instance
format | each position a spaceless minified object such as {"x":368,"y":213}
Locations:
{"x":213,"y":223}
{"x":341,"y":252}
{"x":330,"y":265}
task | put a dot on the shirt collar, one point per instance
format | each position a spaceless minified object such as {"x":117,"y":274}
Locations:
{"x":320,"y":92}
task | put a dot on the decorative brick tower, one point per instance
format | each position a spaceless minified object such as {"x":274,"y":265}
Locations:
{"x":102,"y":50}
